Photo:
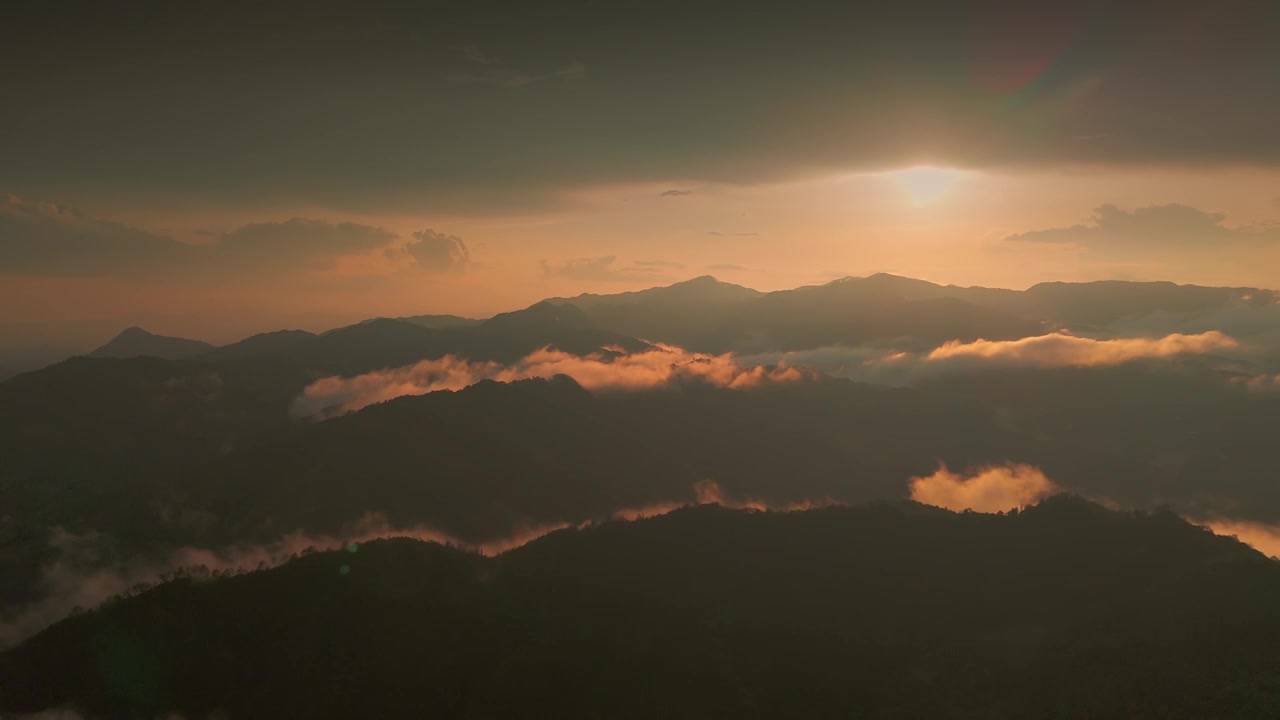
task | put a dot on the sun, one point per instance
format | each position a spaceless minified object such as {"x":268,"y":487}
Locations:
{"x":925,"y":183}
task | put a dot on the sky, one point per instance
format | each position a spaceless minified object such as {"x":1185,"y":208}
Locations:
{"x":221,"y":169}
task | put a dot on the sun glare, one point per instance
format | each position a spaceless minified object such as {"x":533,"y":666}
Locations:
{"x":924,"y":183}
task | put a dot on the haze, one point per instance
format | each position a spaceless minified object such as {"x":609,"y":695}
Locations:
{"x":636,"y":359}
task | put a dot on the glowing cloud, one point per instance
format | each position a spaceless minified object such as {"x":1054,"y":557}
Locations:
{"x":1260,"y":536}
{"x":1059,"y":349}
{"x":996,"y":488}
{"x":1063,"y":350}
{"x":1261,"y":383}
{"x":708,"y":492}
{"x":647,"y":370}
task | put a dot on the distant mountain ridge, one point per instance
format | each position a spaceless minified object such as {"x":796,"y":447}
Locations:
{"x":708,"y":315}
{"x":260,"y":344}
{"x":435,"y":321}
{"x":697,"y":290}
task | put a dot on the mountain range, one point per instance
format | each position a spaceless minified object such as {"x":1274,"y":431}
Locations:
{"x":138,"y":457}
{"x":888,"y":610}
{"x":707,"y":315}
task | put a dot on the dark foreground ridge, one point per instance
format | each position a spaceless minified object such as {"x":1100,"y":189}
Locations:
{"x":891,"y":610}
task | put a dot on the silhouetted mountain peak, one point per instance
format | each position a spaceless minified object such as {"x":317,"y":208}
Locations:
{"x":440,"y":321}
{"x":542,"y":314}
{"x":705,"y":289}
{"x":701,"y":283}
{"x":137,"y":342}
{"x":373,"y":327}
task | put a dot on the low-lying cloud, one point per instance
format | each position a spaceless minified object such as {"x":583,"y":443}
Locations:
{"x":1260,"y":536}
{"x":1054,"y":350}
{"x":81,"y":580}
{"x":1063,"y":350}
{"x":74,"y":582}
{"x":708,"y":492}
{"x":995,"y":488}
{"x":602,"y":371}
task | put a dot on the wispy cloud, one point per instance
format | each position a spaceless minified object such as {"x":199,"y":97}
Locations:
{"x":648,"y":370}
{"x":1063,"y":350}
{"x":1165,"y":227}
{"x":877,"y":364}
{"x":676,"y":193}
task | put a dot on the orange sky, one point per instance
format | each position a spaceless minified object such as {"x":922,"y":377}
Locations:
{"x":948,"y":227}
{"x":205,"y":176}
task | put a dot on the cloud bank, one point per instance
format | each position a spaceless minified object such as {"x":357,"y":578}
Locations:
{"x":51,"y":240}
{"x":996,"y":488}
{"x":1155,"y":227}
{"x":662,"y":366}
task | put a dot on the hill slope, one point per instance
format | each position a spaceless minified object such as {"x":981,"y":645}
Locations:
{"x":892,"y":610}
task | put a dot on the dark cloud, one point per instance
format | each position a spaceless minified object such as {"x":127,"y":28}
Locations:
{"x":44,"y":238}
{"x":604,"y":269}
{"x":300,"y":242}
{"x":676,"y":193}
{"x":726,"y":266}
{"x":379,"y":108}
{"x":658,"y":264}
{"x":47,"y":239}
{"x":432,"y":251}
{"x":1164,"y":227}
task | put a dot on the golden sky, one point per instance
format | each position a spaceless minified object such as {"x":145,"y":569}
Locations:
{"x":394,"y":162}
